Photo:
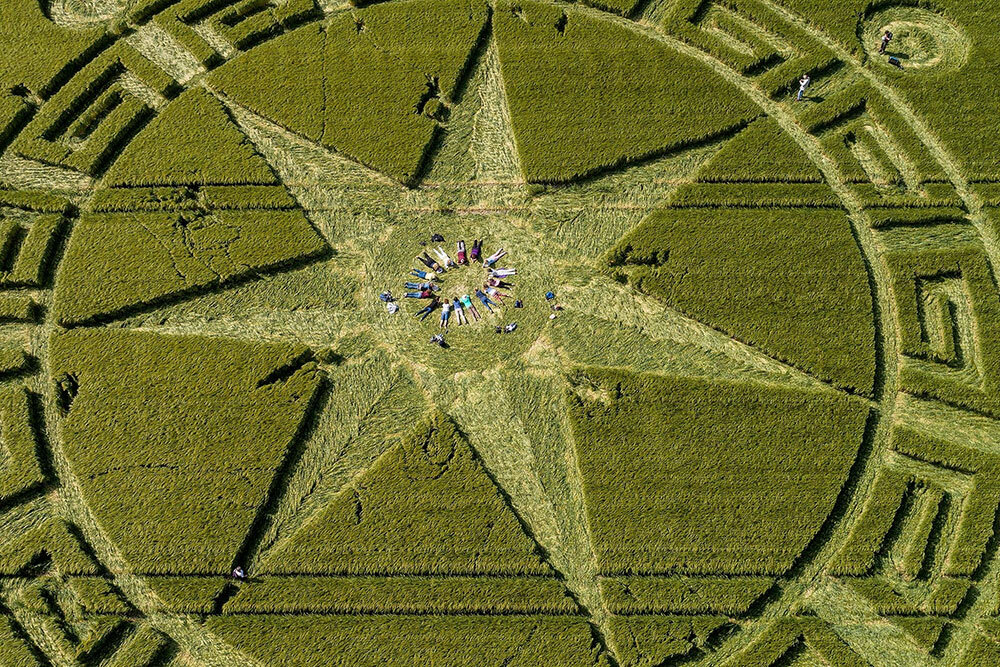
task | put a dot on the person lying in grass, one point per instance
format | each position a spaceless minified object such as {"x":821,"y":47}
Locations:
{"x":426,"y":310}
{"x":494,"y":258}
{"x":426,"y":260}
{"x":494,"y":293}
{"x":423,"y":294}
{"x":467,"y":302}
{"x":445,"y":314}
{"x":460,"y":312}
{"x":460,"y":251}
{"x":421,"y":286}
{"x":423,"y":275}
{"x":443,"y":257}
{"x":477,"y":247}
{"x":502,"y":273}
{"x":486,"y":300}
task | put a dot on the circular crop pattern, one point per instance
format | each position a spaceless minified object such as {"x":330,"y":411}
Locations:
{"x":744,"y":413}
{"x":477,"y":280}
{"x":81,"y":13}
{"x":921,"y":39}
{"x":473,"y":343}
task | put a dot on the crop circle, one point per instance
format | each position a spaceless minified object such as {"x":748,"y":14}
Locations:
{"x":732,"y":410}
{"x":923,"y":40}
{"x":474,"y":346}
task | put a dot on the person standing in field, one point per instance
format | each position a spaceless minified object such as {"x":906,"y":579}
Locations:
{"x":886,"y":38}
{"x":803,"y":84}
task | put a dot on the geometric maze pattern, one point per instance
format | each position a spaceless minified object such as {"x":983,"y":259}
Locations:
{"x":752,"y":39}
{"x":947,"y":306}
{"x":918,"y":548}
{"x":240,"y":25}
{"x":87,"y":122}
{"x":918,"y":551}
{"x":84,"y":620}
{"x":58,"y":603}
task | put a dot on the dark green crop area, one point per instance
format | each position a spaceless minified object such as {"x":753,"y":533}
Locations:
{"x":427,"y":506}
{"x":372,"y":83}
{"x":586,"y":95}
{"x":725,"y":514}
{"x":789,"y":280}
{"x":238,"y":408}
{"x":736,"y":401}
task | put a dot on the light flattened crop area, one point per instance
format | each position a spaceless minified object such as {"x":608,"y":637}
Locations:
{"x":723,"y":388}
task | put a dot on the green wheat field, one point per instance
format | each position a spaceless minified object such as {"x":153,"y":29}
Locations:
{"x":756,"y":422}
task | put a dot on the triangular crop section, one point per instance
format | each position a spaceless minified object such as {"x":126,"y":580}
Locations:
{"x":175,"y":440}
{"x":427,"y":506}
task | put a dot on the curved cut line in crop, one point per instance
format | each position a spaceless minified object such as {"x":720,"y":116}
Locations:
{"x":69,"y":502}
{"x":78,"y":14}
{"x":417,"y":371}
{"x":948,"y":162}
{"x":937,"y":148}
{"x":887,"y":378}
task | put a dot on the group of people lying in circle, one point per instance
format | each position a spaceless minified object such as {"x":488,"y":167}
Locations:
{"x":463,"y":306}
{"x":444,"y":262}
